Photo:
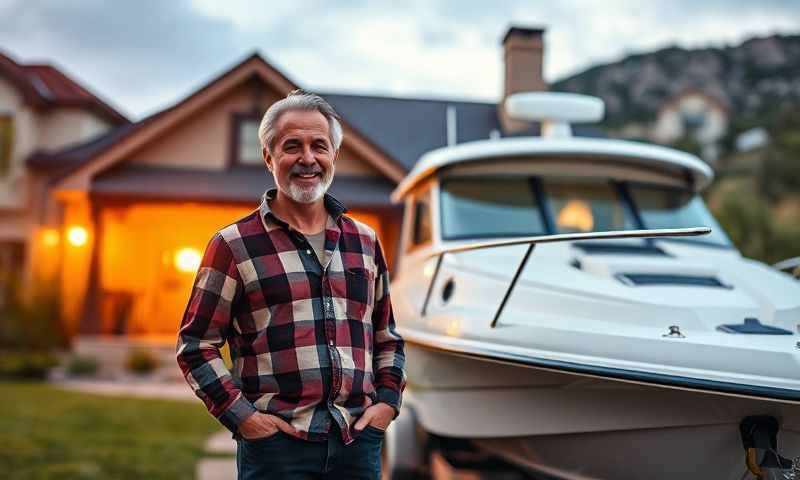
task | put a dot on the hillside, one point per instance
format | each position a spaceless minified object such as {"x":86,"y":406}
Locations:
{"x":752,"y":79}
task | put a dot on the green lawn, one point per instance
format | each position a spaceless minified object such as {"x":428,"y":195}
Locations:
{"x":50,"y":433}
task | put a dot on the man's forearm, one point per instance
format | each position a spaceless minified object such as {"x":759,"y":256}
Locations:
{"x":205,"y":371}
{"x":207,"y":318}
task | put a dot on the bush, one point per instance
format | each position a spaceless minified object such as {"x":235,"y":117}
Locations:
{"x":32,"y":327}
{"x":753,"y":228}
{"x":80,"y":366}
{"x":31,"y":365}
{"x":141,"y":362}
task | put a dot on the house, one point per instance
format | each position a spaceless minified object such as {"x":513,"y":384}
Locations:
{"x":41,"y":110}
{"x":123,"y":216}
{"x":696,"y":115}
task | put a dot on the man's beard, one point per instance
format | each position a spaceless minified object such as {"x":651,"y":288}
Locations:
{"x":310,"y":194}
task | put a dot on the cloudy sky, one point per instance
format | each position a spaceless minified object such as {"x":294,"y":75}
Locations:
{"x":144,"y":55}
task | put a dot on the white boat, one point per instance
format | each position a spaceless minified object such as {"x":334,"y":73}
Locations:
{"x":790,"y":266}
{"x":565,"y":307}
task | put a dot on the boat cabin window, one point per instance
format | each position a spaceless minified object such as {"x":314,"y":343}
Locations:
{"x":664,"y":207}
{"x":421,"y":232}
{"x":490,"y":207}
{"x":586,"y":205}
{"x":486,"y":207}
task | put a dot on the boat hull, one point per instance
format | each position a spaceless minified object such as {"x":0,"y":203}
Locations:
{"x":587,"y":426}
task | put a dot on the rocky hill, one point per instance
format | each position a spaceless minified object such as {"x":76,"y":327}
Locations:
{"x":753,"y":79}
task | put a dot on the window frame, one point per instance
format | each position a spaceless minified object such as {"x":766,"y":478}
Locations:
{"x":535,"y":186}
{"x":238,"y":120}
{"x":6,"y":151}
{"x":625,"y":185}
{"x":616,"y":187}
{"x":412,"y":244}
{"x":620,"y":187}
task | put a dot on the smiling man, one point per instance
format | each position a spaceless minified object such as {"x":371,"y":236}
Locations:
{"x":300,"y":292}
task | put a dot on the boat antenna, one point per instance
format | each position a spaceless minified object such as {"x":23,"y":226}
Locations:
{"x":555,"y":110}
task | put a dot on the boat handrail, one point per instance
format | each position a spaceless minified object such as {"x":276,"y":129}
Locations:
{"x":534,"y":240}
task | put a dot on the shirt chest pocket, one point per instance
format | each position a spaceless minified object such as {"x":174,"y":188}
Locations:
{"x":360,"y":292}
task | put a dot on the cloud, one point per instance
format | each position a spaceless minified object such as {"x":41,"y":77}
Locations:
{"x":144,"y":55}
{"x":135,"y":53}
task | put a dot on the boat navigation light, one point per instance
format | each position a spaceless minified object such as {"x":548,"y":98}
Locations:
{"x":556,"y":110}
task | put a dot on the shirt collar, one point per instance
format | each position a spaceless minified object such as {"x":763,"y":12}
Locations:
{"x":334,"y":207}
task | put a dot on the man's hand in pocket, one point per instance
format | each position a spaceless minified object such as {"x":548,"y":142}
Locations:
{"x":261,"y":425}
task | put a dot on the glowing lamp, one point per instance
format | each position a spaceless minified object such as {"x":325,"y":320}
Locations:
{"x":577,"y":215}
{"x":77,"y":236}
{"x":187,"y":259}
{"x":50,"y":237}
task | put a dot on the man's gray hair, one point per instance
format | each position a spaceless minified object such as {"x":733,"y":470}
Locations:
{"x":299,"y":100}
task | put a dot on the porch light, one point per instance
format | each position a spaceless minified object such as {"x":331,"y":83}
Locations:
{"x":187,"y":259}
{"x":50,"y":237}
{"x":77,"y":236}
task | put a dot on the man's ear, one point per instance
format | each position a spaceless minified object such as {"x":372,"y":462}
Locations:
{"x":267,"y":158}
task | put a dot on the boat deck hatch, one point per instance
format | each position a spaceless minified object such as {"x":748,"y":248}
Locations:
{"x":652,"y":279}
{"x":606,"y":248}
{"x":752,"y":326}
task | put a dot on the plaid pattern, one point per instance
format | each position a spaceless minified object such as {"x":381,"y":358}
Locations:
{"x":310,"y":340}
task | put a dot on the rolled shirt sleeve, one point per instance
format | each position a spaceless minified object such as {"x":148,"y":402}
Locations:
{"x":204,"y":330}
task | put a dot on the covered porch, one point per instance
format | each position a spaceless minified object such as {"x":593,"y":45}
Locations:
{"x":146,"y":231}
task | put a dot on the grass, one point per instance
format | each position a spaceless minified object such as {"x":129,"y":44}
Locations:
{"x":47,"y":433}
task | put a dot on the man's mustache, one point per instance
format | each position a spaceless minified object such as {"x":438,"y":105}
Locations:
{"x":305,"y":170}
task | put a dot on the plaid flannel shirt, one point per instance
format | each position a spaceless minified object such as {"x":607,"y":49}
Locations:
{"x":310,"y":341}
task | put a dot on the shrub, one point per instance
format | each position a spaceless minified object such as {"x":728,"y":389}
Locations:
{"x":753,"y":228}
{"x":32,"y":327}
{"x":26,"y":365}
{"x":80,"y":366}
{"x":141,"y":362}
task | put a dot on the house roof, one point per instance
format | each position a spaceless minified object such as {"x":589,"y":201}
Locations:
{"x":714,"y":99}
{"x":74,"y":155}
{"x":79,"y":164}
{"x":406,"y":128}
{"x":44,"y":86}
{"x":236,"y":184}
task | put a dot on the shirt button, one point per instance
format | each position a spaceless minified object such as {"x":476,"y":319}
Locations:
{"x":330,"y":342}
{"x":308,"y":252}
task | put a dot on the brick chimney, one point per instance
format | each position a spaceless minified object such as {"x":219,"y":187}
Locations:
{"x":523,"y":52}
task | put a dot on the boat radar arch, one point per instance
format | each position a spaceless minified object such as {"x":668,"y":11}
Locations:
{"x":555,"y":110}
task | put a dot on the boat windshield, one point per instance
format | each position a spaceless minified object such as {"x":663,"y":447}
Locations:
{"x":661,"y":207}
{"x":490,"y":207}
{"x":577,"y":205}
{"x":499,"y":206}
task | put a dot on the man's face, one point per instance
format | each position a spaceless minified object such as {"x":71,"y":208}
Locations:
{"x":302,"y":158}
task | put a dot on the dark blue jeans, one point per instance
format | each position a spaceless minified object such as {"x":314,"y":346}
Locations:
{"x":284,"y":457}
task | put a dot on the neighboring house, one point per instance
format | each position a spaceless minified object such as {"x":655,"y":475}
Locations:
{"x":41,"y":110}
{"x":696,"y":115}
{"x":137,"y":205}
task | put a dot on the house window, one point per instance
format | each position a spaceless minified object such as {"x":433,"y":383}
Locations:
{"x":247,"y":148}
{"x":6,"y":143}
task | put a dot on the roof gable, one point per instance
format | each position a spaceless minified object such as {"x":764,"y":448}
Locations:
{"x":44,"y":86}
{"x":117,"y":145}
